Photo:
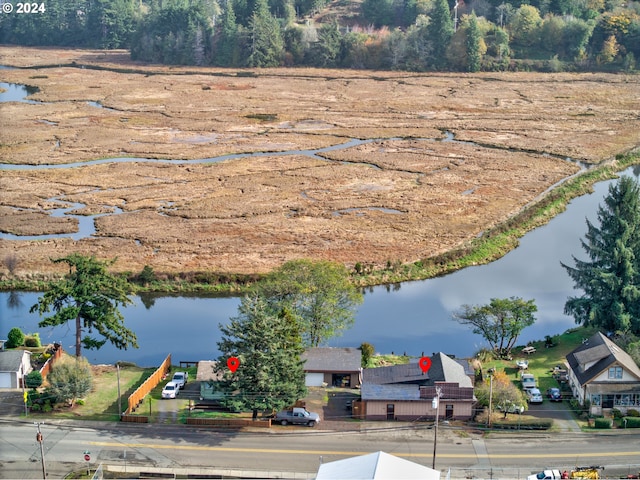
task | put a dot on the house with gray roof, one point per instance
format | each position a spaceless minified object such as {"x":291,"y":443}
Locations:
{"x":605,"y":375}
{"x":337,"y":367}
{"x":14,"y":366}
{"x":404,"y":392}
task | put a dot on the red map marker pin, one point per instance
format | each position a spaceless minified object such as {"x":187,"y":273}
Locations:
{"x":233,"y":363}
{"x":425,"y":364}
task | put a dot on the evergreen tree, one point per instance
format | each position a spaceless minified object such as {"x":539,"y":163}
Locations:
{"x":378,"y":12}
{"x":326,"y":51}
{"x":270,"y":375}
{"x":267,"y":44}
{"x":89,"y":296}
{"x":439,"y":32}
{"x":610,"y":278}
{"x":227,"y":51}
{"x":473,"y":40}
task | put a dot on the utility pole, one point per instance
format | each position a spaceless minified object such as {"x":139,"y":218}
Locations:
{"x":490,"y":398}
{"x":119,"y":397}
{"x":40,"y":441}
{"x":435,"y":403}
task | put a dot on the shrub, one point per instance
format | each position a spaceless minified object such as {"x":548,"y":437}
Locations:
{"x":632,"y":412}
{"x":615,"y":413}
{"x":367,"y":352}
{"x":147,"y":275}
{"x":32,"y":340}
{"x":33,"y":379}
{"x":70,"y":380}
{"x":602,"y":423}
{"x":631,"y":422}
{"x":15,"y":338}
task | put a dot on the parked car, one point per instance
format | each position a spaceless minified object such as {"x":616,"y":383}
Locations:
{"x":554,"y":394}
{"x":534,"y":395}
{"x":528,"y":381}
{"x":180,"y":379}
{"x":297,"y":416}
{"x":522,"y":364}
{"x":170,"y":390}
{"x":511,"y":408}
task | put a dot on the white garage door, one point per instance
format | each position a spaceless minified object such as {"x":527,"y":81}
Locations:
{"x":5,"y":380}
{"x":314,"y":379}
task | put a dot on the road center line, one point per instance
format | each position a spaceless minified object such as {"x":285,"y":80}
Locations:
{"x":352,"y":453}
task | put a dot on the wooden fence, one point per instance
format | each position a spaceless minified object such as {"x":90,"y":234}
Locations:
{"x":149,"y":384}
{"x":48,"y":365}
{"x":229,"y":422}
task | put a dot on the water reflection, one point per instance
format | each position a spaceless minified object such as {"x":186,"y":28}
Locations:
{"x":11,"y":92}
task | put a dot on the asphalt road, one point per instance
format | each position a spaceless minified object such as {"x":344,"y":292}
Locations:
{"x":300,"y":449}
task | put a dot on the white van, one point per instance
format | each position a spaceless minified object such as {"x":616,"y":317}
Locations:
{"x":528,"y":381}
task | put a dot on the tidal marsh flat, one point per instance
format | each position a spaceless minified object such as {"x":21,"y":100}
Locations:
{"x":440,"y":158}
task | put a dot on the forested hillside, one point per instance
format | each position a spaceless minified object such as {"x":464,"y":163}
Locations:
{"x":415,"y":35}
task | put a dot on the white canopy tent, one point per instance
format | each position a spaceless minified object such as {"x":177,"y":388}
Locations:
{"x":375,"y":466}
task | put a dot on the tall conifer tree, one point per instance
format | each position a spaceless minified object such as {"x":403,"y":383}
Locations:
{"x":610,"y":279}
{"x":439,"y":32}
{"x":268,"y":345}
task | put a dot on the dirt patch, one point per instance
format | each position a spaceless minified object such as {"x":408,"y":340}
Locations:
{"x":414,"y":192}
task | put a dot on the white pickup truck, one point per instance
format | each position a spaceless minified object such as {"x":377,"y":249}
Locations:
{"x":547,"y":475}
{"x":180,"y":379}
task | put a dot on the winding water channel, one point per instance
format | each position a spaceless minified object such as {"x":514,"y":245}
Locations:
{"x":412,"y":317}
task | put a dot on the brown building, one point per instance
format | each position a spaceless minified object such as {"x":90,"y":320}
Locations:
{"x":404,"y":392}
{"x":336,"y":367}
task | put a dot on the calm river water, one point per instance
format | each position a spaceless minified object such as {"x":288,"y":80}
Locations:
{"x":413,"y":317}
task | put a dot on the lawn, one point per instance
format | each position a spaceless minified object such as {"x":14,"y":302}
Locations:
{"x":542,"y":361}
{"x":102,"y":402}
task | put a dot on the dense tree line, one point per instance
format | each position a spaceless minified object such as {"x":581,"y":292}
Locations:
{"x":416,"y":35}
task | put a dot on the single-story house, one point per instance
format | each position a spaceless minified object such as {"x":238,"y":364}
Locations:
{"x":604,"y":374}
{"x":404,"y":392}
{"x":375,"y":466}
{"x":208,"y":378}
{"x":338,"y":367}
{"x":14,"y":366}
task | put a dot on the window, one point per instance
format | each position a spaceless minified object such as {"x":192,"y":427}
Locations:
{"x":595,"y":400}
{"x":615,"y":372}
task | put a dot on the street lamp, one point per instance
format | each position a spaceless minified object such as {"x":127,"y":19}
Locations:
{"x":435,"y":403}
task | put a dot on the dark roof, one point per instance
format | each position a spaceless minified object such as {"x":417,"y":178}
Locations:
{"x":374,"y":391}
{"x":597,"y":354}
{"x":332,"y":359}
{"x":10,"y":360}
{"x":446,"y":369}
{"x":443,"y":369}
{"x":407,"y":373}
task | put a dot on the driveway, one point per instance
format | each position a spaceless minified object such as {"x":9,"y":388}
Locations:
{"x":11,"y":403}
{"x":168,"y":409}
{"x":560,"y":412}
